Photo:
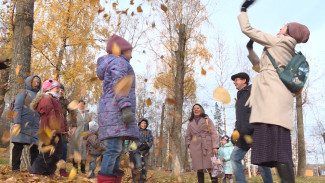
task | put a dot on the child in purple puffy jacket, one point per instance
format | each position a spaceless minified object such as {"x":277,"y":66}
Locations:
{"x":116,"y":116}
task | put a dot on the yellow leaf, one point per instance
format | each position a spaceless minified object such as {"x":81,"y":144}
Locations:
{"x":72,"y":174}
{"x":52,"y":150}
{"x":163,"y":7}
{"x":45,"y":149}
{"x":48,"y":132}
{"x":123,"y":86}
{"x":256,"y":68}
{"x":83,"y":134}
{"x":61,"y":164}
{"x":17,"y":70}
{"x":248,"y":139}
{"x":5,"y":137}
{"x":43,"y":137}
{"x":12,"y":114}
{"x":116,"y":50}
{"x":222,"y":95}
{"x":76,"y":156}
{"x":20,"y":81}
{"x":26,"y":124}
{"x":235,"y":135}
{"x":73,"y":105}
{"x":56,"y":140}
{"x":16,"y":130}
{"x":203,"y":72}
{"x":148,"y":102}
{"x":139,"y":9}
{"x":210,"y":68}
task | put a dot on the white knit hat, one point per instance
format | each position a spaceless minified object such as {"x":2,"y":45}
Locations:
{"x":93,"y":126}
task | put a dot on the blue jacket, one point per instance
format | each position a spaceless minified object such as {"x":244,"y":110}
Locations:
{"x":27,"y":118}
{"x":145,"y":138}
{"x":225,"y":152}
{"x":110,"y":69}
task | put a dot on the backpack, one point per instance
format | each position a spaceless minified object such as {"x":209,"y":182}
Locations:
{"x":295,"y":74}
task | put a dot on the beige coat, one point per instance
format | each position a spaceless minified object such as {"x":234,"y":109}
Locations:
{"x":201,"y":139}
{"x":271,"y":101}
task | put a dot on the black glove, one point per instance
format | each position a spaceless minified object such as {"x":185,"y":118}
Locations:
{"x":250,"y":44}
{"x":127,"y":115}
{"x":246,"y":4}
{"x":3,"y":66}
{"x":143,"y":147}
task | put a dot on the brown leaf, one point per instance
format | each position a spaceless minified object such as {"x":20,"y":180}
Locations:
{"x":20,"y":81}
{"x":203,"y":72}
{"x":145,"y":80}
{"x":131,"y":2}
{"x":148,"y":102}
{"x":222,"y":95}
{"x":114,"y":6}
{"x":43,"y":137}
{"x":92,"y":79}
{"x":116,"y":49}
{"x":12,"y":114}
{"x":171,"y":101}
{"x":162,"y":57}
{"x":210,"y":68}
{"x":163,"y":7}
{"x":123,"y":86}
{"x":56,"y":140}
{"x":101,"y":9}
{"x":132,"y":14}
{"x":5,"y":137}
{"x":17,"y":70}
{"x":139,"y":9}
{"x":125,"y":11}
{"x":153,"y":25}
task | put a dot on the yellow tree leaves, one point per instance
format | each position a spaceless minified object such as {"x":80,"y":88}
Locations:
{"x":222,"y":95}
{"x":123,"y":86}
{"x":148,"y":102}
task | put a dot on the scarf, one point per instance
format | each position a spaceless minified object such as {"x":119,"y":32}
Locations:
{"x":55,"y":95}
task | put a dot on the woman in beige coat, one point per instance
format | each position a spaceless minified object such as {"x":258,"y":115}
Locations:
{"x":271,"y":101}
{"x":202,"y":140}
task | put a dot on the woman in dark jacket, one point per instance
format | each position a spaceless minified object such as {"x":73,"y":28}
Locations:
{"x":27,"y":120}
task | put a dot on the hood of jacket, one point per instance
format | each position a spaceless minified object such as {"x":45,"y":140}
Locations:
{"x":34,"y":103}
{"x":28,"y":83}
{"x":143,"y":119}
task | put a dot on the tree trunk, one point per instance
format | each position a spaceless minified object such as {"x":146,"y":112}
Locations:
{"x":4,"y":76}
{"x":22,"y":42}
{"x":176,"y":129}
{"x":161,"y":134}
{"x":301,"y":138}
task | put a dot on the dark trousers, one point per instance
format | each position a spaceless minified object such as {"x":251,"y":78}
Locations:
{"x":45,"y":163}
{"x":16,"y":154}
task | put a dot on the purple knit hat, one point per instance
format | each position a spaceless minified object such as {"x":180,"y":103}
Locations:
{"x":298,"y":31}
{"x":123,"y":44}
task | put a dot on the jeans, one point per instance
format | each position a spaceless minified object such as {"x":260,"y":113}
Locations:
{"x":141,"y":164}
{"x":236,"y":156}
{"x":92,"y":165}
{"x":16,"y":154}
{"x":112,"y":156}
{"x":64,"y":154}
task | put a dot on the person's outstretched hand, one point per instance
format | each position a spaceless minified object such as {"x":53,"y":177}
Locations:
{"x":246,"y":4}
{"x":250,"y":44}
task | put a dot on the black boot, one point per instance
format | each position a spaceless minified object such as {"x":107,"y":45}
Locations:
{"x":213,"y":180}
{"x":83,"y":166}
{"x":75,"y":165}
{"x":200,"y":177}
{"x":285,"y":172}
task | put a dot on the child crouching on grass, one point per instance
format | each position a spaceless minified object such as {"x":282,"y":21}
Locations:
{"x":94,"y":147}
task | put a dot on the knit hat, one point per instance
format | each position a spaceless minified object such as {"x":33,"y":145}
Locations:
{"x":93,"y":126}
{"x":298,"y":31}
{"x":61,"y":86}
{"x":143,"y":119}
{"x":123,"y":44}
{"x":225,"y":137}
{"x":49,"y":84}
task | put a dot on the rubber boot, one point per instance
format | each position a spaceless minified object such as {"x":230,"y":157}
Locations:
{"x":285,"y":172}
{"x":75,"y":165}
{"x":105,"y":179}
{"x":213,"y":180}
{"x":200,"y":177}
{"x":83,"y":166}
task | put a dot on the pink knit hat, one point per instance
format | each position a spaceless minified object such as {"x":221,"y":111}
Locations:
{"x":49,"y":84}
{"x":123,"y":44}
{"x":298,"y":31}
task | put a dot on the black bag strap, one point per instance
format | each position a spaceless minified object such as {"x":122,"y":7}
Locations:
{"x":273,"y":61}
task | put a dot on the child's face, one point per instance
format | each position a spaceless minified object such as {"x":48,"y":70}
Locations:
{"x":55,"y":90}
{"x":35,"y":83}
{"x":283,"y":30}
{"x":143,"y":125}
{"x":128,"y":54}
{"x":223,"y":141}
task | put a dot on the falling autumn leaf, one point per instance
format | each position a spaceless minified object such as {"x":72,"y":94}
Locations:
{"x":153,"y":25}
{"x":146,"y":80}
{"x":17,"y":70}
{"x":131,"y":2}
{"x":171,"y":101}
{"x":83,"y":134}
{"x":45,"y":149}
{"x":123,"y":86}
{"x":222,"y":95}
{"x":43,"y":137}
{"x":256,"y":68}
{"x":101,"y":9}
{"x":20,"y":80}
{"x":163,"y":7}
{"x":203,"y":72}
{"x":5,"y":137}
{"x":132,"y":14}
{"x":73,"y":105}
{"x":56,"y":140}
{"x":114,"y":6}
{"x":12,"y":114}
{"x":116,"y":49}
{"x":26,"y":124}
{"x":72,"y":174}
{"x":148,"y":102}
{"x":210,"y":68}
{"x":248,"y":139}
{"x":139,"y":9}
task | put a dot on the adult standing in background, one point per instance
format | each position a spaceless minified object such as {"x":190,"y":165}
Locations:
{"x":271,"y":101}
